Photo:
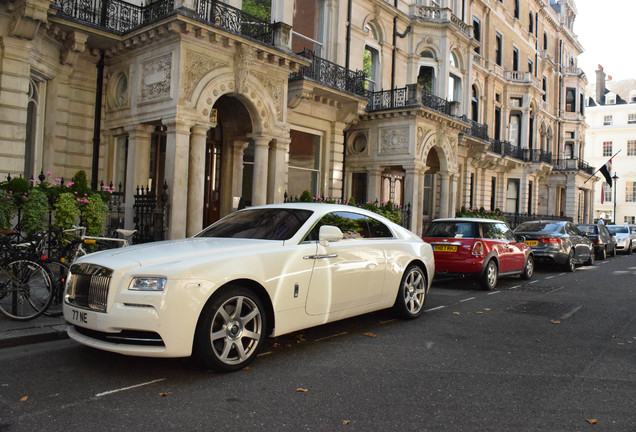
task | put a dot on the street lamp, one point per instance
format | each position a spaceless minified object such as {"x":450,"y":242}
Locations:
{"x":615,"y":178}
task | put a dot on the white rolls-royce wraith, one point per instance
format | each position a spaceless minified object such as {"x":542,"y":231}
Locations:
{"x":262,"y":271}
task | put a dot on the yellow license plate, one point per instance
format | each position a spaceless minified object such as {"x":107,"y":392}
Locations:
{"x":445,"y":248}
{"x":531,"y":242}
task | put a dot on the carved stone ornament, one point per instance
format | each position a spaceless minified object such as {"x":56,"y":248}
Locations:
{"x":275,"y":89}
{"x":394,"y":140}
{"x":156,"y":77}
{"x":196,"y":67}
{"x":27,"y":18}
{"x":243,"y":61}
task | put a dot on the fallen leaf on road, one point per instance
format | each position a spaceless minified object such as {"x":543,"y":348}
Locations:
{"x":555,"y":321}
{"x":479,"y":313}
{"x":24,"y":398}
{"x":487,"y":309}
{"x":630,"y":342}
{"x":276,"y":345}
{"x":457,"y":313}
{"x":346,"y":422}
{"x":620,"y":344}
{"x":370,"y":335}
{"x":613,"y":336}
{"x":165,"y":394}
{"x":246,"y":368}
{"x":592,"y":421}
{"x":302,"y":390}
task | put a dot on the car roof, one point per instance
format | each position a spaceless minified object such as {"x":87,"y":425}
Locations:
{"x":466,"y":219}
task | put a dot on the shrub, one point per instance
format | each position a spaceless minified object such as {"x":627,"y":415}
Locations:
{"x":67,"y":212}
{"x":35,"y":210}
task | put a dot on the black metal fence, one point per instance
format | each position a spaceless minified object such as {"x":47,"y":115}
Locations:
{"x":330,"y":74}
{"x":516,"y":219}
{"x":235,"y":20}
{"x":411,"y":95}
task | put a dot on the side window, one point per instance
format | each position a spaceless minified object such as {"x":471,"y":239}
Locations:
{"x":352,"y":225}
{"x":378,"y":229}
{"x":490,"y":231}
{"x":573,"y":230}
{"x":506,"y":233}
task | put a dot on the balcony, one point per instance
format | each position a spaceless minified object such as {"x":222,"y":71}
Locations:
{"x":504,"y":148}
{"x":407,"y":97}
{"x":522,"y":77}
{"x":537,"y":155}
{"x":120,"y":17}
{"x":572,"y":164}
{"x":330,"y":75}
{"x":442,"y":16}
{"x":477,"y":130}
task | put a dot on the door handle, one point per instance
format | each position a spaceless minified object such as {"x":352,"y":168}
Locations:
{"x":308,"y":257}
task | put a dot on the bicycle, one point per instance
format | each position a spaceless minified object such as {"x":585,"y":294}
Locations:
{"x":26,"y":288}
{"x":87,"y":244}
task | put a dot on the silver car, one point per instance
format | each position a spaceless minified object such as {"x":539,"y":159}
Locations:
{"x":625,"y":238}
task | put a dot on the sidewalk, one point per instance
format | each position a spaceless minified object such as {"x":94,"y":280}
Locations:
{"x":40,"y":329}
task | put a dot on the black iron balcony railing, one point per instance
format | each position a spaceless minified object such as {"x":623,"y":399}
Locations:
{"x":477,"y":130}
{"x":235,"y":20}
{"x":537,"y":155}
{"x":330,"y":74}
{"x":408,"y":96}
{"x":572,"y":163}
{"x":505,"y":148}
{"x":116,"y":16}
{"x":120,"y":17}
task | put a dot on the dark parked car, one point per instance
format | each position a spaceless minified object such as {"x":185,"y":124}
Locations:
{"x":482,"y":249}
{"x":558,"y":242}
{"x":604,"y":241}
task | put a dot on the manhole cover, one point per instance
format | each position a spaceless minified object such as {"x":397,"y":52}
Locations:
{"x":546,"y":309}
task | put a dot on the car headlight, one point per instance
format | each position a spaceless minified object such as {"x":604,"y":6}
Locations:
{"x":147,"y":284}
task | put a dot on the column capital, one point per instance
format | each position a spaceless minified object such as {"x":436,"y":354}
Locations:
{"x":139,"y":130}
{"x":199,"y":129}
{"x":177,"y":125}
{"x":260,"y":140}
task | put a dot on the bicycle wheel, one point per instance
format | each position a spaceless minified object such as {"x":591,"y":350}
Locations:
{"x":25,"y":290}
{"x":57,"y":272}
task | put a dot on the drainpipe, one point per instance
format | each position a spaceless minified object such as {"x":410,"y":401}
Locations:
{"x":348,"y":47}
{"x":97,"y":125}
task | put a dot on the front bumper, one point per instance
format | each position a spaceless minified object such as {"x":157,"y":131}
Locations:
{"x":140,"y":324}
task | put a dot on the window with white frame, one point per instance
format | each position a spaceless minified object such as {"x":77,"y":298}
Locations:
{"x":454,"y":79}
{"x":608,"y":120}
{"x":630,"y":220}
{"x":607,"y":148}
{"x":34,"y":126}
{"x":630,"y":191}
{"x":631,"y":118}
{"x":631,"y":148}
{"x":304,"y":163}
{"x":606,"y":190}
{"x":371,"y":59}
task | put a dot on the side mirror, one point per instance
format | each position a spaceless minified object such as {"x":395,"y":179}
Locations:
{"x":329,"y":233}
{"x":613,"y":234}
{"x":521,"y":238}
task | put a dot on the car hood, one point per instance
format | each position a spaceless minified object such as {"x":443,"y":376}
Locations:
{"x":176,"y":252}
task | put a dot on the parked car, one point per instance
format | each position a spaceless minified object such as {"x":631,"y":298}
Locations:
{"x":558,"y":242}
{"x":625,"y":238}
{"x":261,"y":271}
{"x":483,"y":249}
{"x":604,"y":241}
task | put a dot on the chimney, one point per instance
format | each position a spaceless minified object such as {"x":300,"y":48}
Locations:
{"x":600,"y":85}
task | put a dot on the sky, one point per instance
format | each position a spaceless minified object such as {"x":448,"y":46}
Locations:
{"x":605,"y":28}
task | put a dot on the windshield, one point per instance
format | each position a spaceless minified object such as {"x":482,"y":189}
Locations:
{"x":261,"y":224}
{"x":451,"y":229}
{"x":618,"y":229}
{"x":539,"y":227}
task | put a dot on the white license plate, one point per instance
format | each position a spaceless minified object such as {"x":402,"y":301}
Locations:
{"x":79,"y":316}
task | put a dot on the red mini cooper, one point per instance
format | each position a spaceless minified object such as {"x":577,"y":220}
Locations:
{"x":483,"y":249}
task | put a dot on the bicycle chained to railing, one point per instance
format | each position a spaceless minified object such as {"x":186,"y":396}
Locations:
{"x":45,"y":257}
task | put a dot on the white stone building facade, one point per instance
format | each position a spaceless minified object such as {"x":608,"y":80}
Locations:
{"x":436,"y":104}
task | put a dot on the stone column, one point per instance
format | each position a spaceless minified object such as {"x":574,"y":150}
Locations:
{"x":259,"y":181}
{"x":444,"y":198}
{"x":176,"y":172}
{"x":454,"y":193}
{"x":374,"y":185}
{"x":238,"y":148}
{"x":196,"y":180}
{"x":413,"y":185}
{"x":276,"y":179}
{"x":137,"y":167}
{"x":336,"y":160}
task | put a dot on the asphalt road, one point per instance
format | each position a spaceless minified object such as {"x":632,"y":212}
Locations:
{"x":557,"y":353}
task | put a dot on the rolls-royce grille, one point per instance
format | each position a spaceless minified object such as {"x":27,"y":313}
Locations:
{"x":88,"y":287}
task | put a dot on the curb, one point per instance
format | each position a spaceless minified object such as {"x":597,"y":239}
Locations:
{"x":13,"y":338}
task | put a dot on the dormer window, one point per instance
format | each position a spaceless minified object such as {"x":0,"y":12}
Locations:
{"x":610,"y":100}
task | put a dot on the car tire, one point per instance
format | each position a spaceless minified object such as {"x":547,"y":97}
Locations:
{"x":603,"y":254}
{"x":411,"y":295}
{"x":528,"y":268}
{"x":488,"y":280}
{"x":569,"y":264}
{"x":628,"y":251}
{"x":613,"y":254}
{"x":591,"y":259}
{"x":231,"y":330}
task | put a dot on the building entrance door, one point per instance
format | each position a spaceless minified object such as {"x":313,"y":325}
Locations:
{"x":212,"y":203}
